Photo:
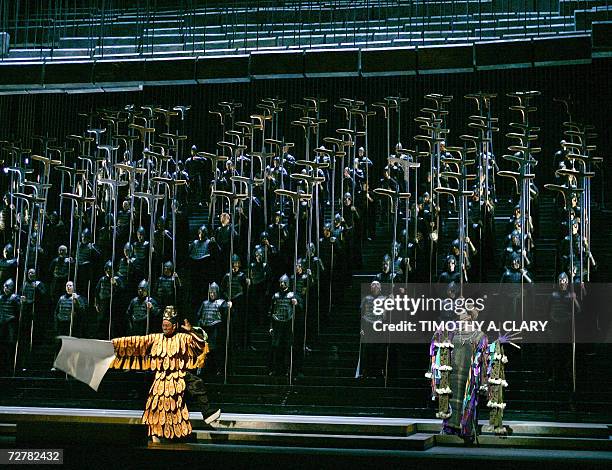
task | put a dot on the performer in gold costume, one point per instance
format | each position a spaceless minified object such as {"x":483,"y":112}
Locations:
{"x":170,"y":354}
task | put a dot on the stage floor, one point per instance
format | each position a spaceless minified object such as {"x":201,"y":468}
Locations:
{"x":281,"y":437}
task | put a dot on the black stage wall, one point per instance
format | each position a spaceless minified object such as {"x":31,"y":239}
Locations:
{"x":22,"y":116}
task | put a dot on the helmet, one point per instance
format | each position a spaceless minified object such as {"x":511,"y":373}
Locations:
{"x":144,"y":285}
{"x":202,"y":229}
{"x":128,"y":248}
{"x":108,"y":266}
{"x":8,"y":251}
{"x":140,"y":231}
{"x":213,"y":287}
{"x":284,"y":282}
{"x":10,"y":285}
{"x":264,"y":235}
{"x":86,"y":235}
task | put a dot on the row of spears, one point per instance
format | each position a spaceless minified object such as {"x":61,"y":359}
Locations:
{"x":245,"y":178}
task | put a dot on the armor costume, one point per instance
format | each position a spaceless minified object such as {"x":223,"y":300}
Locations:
{"x":103,"y":298}
{"x":140,"y":307}
{"x":372,"y":356}
{"x":203,"y":253}
{"x":239,"y":322}
{"x":59,"y":271}
{"x":168,"y":285}
{"x":8,"y":264}
{"x":353,"y":231}
{"x":35,"y":306}
{"x":386,"y":276}
{"x":281,"y":314}
{"x":127,"y":269}
{"x":450,"y":273}
{"x":140,"y":251}
{"x":170,"y":354}
{"x":86,"y":258}
{"x":212,"y":318}
{"x":260,"y":275}
{"x":10,"y":305}
{"x":70,"y":306}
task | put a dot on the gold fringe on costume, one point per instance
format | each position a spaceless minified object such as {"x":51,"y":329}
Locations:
{"x":166,"y":413}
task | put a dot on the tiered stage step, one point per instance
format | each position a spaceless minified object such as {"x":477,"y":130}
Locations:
{"x":406,"y":437}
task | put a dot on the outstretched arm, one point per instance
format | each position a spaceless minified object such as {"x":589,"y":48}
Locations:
{"x":132,"y":352}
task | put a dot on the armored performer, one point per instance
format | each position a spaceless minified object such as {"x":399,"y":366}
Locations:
{"x":107,"y":285}
{"x":141,"y":247}
{"x":59,"y":271}
{"x":282,"y":310}
{"x":212,"y":317}
{"x":87,"y":257}
{"x":35,"y":303}
{"x":10,"y":306}
{"x":168,"y":285}
{"x":202,"y":252}
{"x":386,"y":276}
{"x":142,"y":311}
{"x":8,"y":264}
{"x":69,"y":312}
{"x":260,"y":275}
{"x":451,"y":272}
{"x":171,"y":354}
{"x":238,"y":287}
{"x":371,"y":355}
{"x":127,"y":268}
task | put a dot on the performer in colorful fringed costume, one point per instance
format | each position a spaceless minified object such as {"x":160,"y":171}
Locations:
{"x":170,"y":354}
{"x":462,"y":365}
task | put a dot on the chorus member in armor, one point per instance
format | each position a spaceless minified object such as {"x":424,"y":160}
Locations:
{"x":239,"y":327}
{"x":162,"y":244}
{"x":7,"y":219}
{"x":353,"y":230}
{"x":59,"y":271}
{"x":35,"y":307}
{"x":282,"y":309}
{"x":36,"y":254}
{"x":278,"y":177}
{"x":519,"y":277}
{"x":70,"y":312}
{"x":279,"y":236}
{"x":140,"y":250}
{"x":451,"y":271}
{"x":203,"y":253}
{"x":514,"y":274}
{"x":87,"y":259}
{"x":560,"y":313}
{"x":386,"y":276}
{"x":10,"y":308}
{"x":127,"y":268}
{"x":125,"y":214}
{"x":103,"y":305}
{"x":55,"y":232}
{"x":303,"y":284}
{"x":212,"y":318}
{"x":469,"y":250}
{"x":223,"y":237}
{"x":341,"y":235}
{"x":8,"y":263}
{"x":168,"y":286}
{"x":270,"y":254}
{"x":514,"y":247}
{"x":371,"y":355}
{"x":196,"y":170}
{"x":174,"y":355}
{"x":329,"y":256}
{"x":141,"y":307}
{"x":260,"y":275}
{"x":288,"y":162}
